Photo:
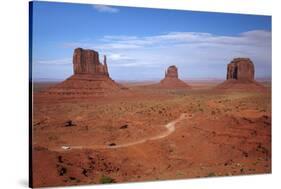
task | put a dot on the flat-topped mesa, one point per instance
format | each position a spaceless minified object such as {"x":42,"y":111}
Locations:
{"x":172,"y":72}
{"x":86,"y":61}
{"x":90,"y":78}
{"x":241,"y":76}
{"x":171,"y":80}
{"x":241,"y":69}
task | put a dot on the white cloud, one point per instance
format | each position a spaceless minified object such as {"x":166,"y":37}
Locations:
{"x":54,"y":61}
{"x":247,"y":38}
{"x":107,"y":9}
{"x":196,"y":54}
{"x":116,"y":57}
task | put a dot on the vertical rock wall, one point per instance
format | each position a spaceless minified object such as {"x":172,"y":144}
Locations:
{"x":86,"y":61}
{"x":241,"y":69}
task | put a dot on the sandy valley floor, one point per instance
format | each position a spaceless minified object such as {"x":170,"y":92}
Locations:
{"x":150,"y":134}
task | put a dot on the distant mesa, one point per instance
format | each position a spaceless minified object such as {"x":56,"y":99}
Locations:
{"x":240,"y":76}
{"x":172,"y":72}
{"x":172,"y":80}
{"x":90,"y":78}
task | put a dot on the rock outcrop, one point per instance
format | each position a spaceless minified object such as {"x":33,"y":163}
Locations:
{"x":87,"y":62}
{"x":241,"y":69}
{"x":90,"y":78}
{"x":172,"y":72}
{"x":171,"y":80}
{"x":240,"y":76}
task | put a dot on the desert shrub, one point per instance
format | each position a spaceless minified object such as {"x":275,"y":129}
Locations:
{"x":211,"y":174}
{"x":106,"y":180}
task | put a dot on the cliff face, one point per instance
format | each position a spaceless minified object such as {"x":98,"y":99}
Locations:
{"x":86,"y":61}
{"x":241,"y":69}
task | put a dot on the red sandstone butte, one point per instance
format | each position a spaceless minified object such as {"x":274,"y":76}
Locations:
{"x":86,"y":61}
{"x":241,"y":69}
{"x":241,"y":76}
{"x":172,"y":80}
{"x":90,"y":78}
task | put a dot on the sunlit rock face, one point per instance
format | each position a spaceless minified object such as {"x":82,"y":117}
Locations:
{"x":241,"y":69}
{"x":86,"y":61}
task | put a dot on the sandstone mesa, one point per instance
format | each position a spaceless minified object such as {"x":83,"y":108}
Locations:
{"x":172,"y":80}
{"x":241,"y":76}
{"x":90,"y":78}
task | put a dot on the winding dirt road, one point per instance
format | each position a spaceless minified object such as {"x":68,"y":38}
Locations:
{"x":170,"y":128}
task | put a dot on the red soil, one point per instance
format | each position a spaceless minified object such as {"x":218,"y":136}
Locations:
{"x":85,"y":85}
{"x":226,"y":134}
{"x":237,"y":85}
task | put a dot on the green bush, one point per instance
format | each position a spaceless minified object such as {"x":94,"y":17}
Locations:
{"x":106,"y":180}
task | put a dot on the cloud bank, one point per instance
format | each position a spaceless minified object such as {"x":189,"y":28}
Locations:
{"x":198,"y":55}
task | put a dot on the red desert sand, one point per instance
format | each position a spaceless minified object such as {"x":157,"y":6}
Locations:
{"x":90,"y":129}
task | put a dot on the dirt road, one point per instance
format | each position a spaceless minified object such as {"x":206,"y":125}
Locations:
{"x":170,"y":128}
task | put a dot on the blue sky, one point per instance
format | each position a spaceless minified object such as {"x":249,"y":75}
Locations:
{"x":140,"y":43}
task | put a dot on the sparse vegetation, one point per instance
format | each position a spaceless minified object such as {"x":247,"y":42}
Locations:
{"x":106,"y":180}
{"x":216,"y":126}
{"x":211,"y":174}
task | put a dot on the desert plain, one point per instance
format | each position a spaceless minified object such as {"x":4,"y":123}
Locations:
{"x":150,"y":133}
